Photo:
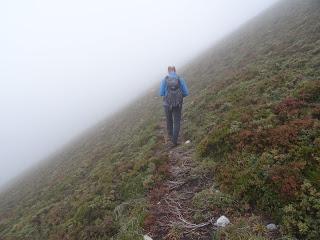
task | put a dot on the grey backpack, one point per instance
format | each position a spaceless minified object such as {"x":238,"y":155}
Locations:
{"x":174,"y":96}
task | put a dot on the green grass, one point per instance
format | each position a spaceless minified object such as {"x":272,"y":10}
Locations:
{"x":253,"y":115}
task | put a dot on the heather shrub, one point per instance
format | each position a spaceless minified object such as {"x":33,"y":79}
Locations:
{"x":309,"y":91}
{"x":216,"y":143}
{"x":212,"y":200}
{"x":263,"y":161}
{"x":243,"y":229}
{"x":302,"y":217}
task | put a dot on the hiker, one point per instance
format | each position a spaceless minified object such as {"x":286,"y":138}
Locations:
{"x":173,"y":89}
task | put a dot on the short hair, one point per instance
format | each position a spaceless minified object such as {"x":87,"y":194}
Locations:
{"x":171,"y":68}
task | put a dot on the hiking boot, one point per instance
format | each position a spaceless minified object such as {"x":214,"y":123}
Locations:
{"x":170,"y":145}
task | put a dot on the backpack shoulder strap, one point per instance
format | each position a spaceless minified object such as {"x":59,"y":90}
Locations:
{"x":179,"y":81}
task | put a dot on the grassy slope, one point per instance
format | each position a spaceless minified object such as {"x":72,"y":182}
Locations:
{"x":81,"y":188}
{"x":253,"y":114}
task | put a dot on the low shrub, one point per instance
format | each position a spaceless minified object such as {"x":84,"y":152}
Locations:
{"x":302,"y":217}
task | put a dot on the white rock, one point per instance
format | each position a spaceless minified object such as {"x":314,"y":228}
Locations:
{"x":146,"y":237}
{"x":222,"y":221}
{"x":188,"y":142}
{"x":271,"y":226}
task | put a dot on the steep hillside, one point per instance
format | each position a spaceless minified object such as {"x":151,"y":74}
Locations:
{"x":253,"y":118}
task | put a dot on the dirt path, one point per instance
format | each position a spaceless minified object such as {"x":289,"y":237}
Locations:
{"x":171,"y":200}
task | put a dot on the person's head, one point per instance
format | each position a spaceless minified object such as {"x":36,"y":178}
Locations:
{"x":171,"y":69}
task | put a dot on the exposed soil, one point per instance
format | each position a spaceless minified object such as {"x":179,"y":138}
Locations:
{"x":170,"y":201}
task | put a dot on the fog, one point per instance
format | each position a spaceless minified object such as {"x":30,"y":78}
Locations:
{"x":67,"y":64}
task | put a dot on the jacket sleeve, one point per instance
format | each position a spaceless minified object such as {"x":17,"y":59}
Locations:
{"x":162,"y":88}
{"x":184,"y":87}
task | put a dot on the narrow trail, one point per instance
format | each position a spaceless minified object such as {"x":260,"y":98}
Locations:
{"x":171,"y":200}
{"x":171,"y":209}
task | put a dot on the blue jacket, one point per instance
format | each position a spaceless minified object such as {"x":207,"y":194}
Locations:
{"x":163,"y":86}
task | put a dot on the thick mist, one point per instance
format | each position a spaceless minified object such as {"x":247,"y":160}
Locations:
{"x":66,"y":64}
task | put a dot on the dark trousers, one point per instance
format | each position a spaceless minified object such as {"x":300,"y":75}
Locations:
{"x":173,"y":116}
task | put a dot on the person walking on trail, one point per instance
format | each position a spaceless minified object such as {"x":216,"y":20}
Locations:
{"x":173,"y":89}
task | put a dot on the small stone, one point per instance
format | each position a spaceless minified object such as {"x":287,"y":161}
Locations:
{"x":188,"y":142}
{"x":271,"y":227}
{"x":146,"y":237}
{"x":222,"y":221}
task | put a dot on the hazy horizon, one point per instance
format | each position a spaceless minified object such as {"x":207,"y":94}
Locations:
{"x":66,"y":65}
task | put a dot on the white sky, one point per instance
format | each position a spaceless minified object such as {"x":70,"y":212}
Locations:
{"x":66,"y":64}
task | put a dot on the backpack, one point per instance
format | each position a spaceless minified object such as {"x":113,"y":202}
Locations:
{"x":174,"y":97}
